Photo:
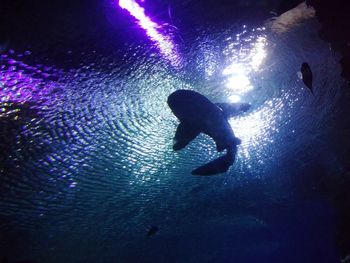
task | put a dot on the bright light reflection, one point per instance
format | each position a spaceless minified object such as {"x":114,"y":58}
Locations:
{"x":239,"y":84}
{"x":234,"y":98}
{"x":250,"y":127}
{"x":244,"y":62}
{"x":258,"y":53}
{"x":164,"y":43}
{"x":257,"y":127}
{"x":22,"y":83}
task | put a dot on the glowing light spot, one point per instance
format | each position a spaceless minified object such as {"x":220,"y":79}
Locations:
{"x":237,"y":82}
{"x":233,"y":69}
{"x":164,"y":43}
{"x":234,"y":98}
{"x":244,"y":57}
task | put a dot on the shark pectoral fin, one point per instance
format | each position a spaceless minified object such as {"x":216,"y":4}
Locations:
{"x":233,"y":109}
{"x":219,"y":165}
{"x":185,"y":133}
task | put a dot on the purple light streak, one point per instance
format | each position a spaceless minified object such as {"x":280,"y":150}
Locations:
{"x":164,"y":43}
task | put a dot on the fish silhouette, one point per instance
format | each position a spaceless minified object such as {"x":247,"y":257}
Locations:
{"x":152,"y":231}
{"x":306,"y":74}
{"x":198,"y":114}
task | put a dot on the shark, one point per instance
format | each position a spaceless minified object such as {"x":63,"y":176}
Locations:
{"x":197,"y":114}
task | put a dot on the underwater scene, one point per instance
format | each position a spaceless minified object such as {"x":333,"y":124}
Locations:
{"x":171,"y":131}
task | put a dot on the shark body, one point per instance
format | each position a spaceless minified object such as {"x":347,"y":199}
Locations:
{"x":197,"y":114}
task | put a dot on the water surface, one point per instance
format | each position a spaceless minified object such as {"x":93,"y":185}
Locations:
{"x":89,"y":166}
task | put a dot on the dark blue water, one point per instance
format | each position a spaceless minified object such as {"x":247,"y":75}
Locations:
{"x":87,"y":164}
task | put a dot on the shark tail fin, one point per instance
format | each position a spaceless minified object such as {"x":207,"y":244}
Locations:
{"x":219,"y":165}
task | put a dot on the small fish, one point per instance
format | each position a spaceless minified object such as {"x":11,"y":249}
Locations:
{"x":152,"y":231}
{"x":307,"y":75}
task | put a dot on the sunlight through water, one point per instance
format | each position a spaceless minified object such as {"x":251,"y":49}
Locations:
{"x":246,"y":55}
{"x":244,"y":60}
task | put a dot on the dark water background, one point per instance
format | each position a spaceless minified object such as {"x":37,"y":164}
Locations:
{"x":87,"y":164}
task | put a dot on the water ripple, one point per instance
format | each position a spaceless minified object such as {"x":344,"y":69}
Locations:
{"x":94,"y":144}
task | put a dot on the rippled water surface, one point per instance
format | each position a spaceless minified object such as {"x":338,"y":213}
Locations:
{"x":89,"y":166}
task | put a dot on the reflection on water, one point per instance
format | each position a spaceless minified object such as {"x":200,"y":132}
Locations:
{"x":245,"y":55}
{"x":21,"y":82}
{"x":93,"y":157}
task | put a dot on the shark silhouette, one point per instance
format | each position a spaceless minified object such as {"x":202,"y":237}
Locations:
{"x":198,"y":114}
